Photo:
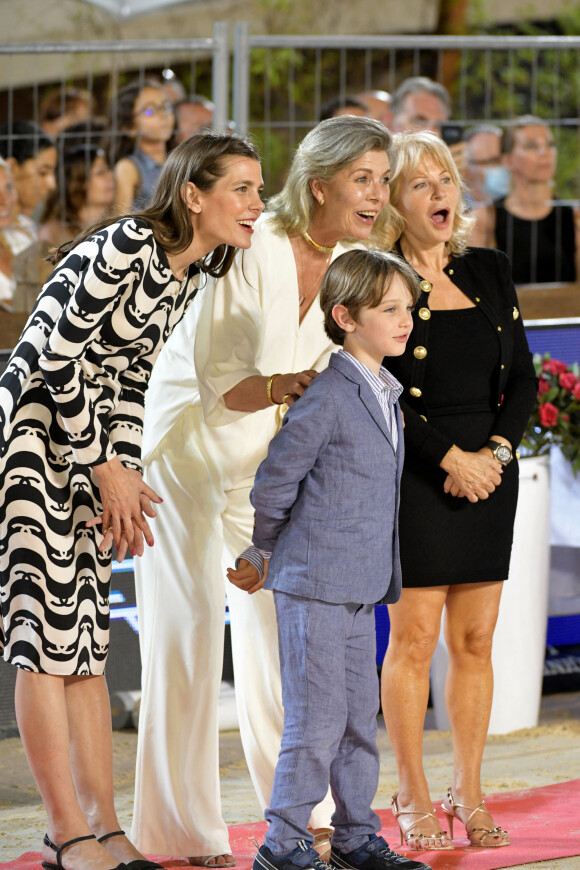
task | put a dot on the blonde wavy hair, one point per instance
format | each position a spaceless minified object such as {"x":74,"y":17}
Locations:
{"x":407,"y":152}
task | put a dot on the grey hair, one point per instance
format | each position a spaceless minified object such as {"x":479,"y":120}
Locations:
{"x":419,"y":84}
{"x":194,"y":100}
{"x":407,"y":152}
{"x":509,"y":131}
{"x":323,"y":152}
{"x":481,"y":128}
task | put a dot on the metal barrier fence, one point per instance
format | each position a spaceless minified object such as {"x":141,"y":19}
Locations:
{"x":280,"y":83}
{"x":32,"y":74}
{"x":99,"y":68}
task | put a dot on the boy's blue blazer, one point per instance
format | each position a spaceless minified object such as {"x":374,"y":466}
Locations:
{"x":327,"y":494}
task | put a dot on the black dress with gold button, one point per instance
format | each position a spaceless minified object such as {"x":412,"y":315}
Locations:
{"x":468,"y":375}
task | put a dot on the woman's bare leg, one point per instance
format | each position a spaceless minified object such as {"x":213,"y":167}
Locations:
{"x":43,"y":721}
{"x":470,"y":619}
{"x":91,"y":742}
{"x":415,"y":625}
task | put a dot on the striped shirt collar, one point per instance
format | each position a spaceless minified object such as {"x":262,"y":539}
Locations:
{"x":384,"y":383}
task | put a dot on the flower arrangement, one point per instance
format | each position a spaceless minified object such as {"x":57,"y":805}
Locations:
{"x":556,"y":418}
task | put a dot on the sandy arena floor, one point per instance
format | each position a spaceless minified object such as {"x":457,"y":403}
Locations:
{"x":533,"y":757}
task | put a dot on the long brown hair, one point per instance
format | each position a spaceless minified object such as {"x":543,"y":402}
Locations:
{"x":122,"y":115}
{"x":201,"y":160}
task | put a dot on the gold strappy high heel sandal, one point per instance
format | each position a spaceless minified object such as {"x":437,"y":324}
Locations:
{"x":415,"y":840}
{"x":322,"y":841}
{"x":486,"y":838}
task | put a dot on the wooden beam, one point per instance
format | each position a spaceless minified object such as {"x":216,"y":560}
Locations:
{"x":549,"y":301}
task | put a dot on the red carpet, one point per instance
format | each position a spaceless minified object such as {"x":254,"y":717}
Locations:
{"x":543,"y":823}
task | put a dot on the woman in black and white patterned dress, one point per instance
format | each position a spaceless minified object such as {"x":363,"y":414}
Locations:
{"x":71,"y":407}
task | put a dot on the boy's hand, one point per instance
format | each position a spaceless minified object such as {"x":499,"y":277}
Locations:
{"x":246,"y":577}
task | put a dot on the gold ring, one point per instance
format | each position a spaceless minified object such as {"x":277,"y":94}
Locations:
{"x":109,"y":529}
{"x":286,"y":396}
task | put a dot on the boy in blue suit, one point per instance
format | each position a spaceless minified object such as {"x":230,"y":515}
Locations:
{"x":326,"y":501}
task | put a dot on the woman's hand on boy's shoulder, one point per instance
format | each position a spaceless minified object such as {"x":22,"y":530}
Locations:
{"x":288,"y":388}
{"x":246,"y":576}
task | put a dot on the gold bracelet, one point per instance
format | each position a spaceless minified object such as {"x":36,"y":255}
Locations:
{"x":269,"y":384}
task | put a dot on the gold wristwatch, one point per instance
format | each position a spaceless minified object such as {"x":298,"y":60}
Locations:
{"x":502,"y":452}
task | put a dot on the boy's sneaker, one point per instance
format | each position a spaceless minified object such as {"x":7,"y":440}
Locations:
{"x":374,"y":855}
{"x":304,"y":857}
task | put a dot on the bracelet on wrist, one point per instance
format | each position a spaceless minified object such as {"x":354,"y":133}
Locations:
{"x":269,"y":385}
{"x":449,"y":451}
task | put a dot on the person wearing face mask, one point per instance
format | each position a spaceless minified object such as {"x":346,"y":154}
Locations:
{"x":487,"y":178}
{"x":528,"y":223}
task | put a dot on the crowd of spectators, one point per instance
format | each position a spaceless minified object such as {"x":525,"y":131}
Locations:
{"x":75,"y":167}
{"x":508,"y":170}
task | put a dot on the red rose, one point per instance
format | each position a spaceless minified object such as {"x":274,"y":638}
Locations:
{"x":548,"y":414}
{"x":543,"y":387}
{"x":568,"y":380}
{"x":576,"y":391}
{"x":554,"y":366}
{"x":565,"y":417}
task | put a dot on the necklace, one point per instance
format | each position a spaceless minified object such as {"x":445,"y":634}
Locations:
{"x":323,"y":248}
{"x":313,"y":289}
{"x":182,"y":283}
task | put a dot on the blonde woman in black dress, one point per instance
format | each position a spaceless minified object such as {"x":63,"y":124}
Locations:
{"x":469,"y":390}
{"x":71,"y":406}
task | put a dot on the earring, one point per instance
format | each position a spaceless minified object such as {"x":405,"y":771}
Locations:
{"x":321,"y":200}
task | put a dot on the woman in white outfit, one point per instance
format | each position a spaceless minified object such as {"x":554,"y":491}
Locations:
{"x":214,"y":402}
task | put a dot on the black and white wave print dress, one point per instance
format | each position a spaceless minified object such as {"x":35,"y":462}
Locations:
{"x":73,"y":396}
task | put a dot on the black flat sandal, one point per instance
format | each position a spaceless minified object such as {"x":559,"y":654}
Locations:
{"x":48,"y":865}
{"x":138,"y":863}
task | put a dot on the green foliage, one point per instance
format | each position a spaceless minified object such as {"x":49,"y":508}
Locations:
{"x":287,"y":89}
{"x":288,"y":86}
{"x":498,"y":85}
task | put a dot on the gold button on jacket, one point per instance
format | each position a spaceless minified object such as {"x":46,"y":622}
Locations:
{"x":420,"y":352}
